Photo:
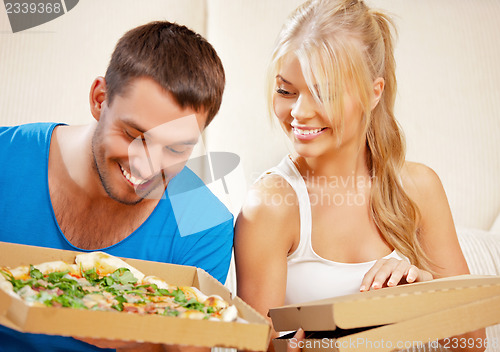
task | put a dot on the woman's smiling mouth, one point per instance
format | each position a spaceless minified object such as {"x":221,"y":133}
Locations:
{"x":307,"y":133}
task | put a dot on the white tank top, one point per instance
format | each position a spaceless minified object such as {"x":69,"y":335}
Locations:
{"x":311,"y":277}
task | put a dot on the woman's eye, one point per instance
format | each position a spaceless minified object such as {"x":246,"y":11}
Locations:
{"x":283,"y":92}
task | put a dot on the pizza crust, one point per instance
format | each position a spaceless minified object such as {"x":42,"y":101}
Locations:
{"x":56,"y":266}
{"x":6,"y":285}
{"x":160,"y":283}
{"x":105,"y":264}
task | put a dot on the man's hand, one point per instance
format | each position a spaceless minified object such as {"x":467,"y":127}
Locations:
{"x":125,"y":346}
{"x":130,"y":346}
{"x":392,"y":272}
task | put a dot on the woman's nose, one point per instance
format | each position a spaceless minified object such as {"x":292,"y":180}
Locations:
{"x":305,"y":107}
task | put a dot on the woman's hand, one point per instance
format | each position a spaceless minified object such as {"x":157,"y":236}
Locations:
{"x":392,"y":272}
{"x":294,"y":345}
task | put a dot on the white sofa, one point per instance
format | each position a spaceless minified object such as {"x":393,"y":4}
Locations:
{"x":448,"y":101}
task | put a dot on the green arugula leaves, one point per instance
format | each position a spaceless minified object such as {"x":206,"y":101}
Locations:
{"x":58,"y":289}
{"x":35,"y":273}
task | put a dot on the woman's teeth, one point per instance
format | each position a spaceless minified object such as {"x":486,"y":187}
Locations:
{"x":132,"y":179}
{"x":306,"y":132}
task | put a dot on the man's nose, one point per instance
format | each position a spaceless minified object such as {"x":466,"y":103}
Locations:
{"x":145,"y":159}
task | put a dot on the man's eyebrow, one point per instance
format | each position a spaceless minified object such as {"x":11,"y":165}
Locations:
{"x":188,"y":142}
{"x":282,"y":79}
{"x":134,"y":125}
{"x":142,"y":130}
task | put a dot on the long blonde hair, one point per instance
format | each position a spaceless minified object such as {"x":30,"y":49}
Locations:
{"x":343,"y":44}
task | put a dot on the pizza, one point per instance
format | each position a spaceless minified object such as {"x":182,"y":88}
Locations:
{"x":99,"y":281}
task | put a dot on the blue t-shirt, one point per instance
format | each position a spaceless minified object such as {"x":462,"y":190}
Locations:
{"x":189,"y":226}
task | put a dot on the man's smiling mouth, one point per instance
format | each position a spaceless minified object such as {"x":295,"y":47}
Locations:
{"x":133,"y":180}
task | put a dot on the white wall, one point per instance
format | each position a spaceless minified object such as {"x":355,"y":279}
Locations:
{"x":46,"y":71}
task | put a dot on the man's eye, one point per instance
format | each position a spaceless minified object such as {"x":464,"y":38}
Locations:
{"x":132,"y":136}
{"x":176,"y":150}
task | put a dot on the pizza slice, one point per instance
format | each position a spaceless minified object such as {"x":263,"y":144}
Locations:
{"x":190,"y":297}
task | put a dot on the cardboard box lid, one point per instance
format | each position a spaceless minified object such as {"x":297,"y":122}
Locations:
{"x":385,"y":306}
{"x":254,"y":334}
{"x":415,"y":332}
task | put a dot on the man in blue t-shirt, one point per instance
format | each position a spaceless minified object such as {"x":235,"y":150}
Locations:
{"x":120,"y":184}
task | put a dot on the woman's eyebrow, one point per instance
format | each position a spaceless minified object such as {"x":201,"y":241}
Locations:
{"x":282,"y":79}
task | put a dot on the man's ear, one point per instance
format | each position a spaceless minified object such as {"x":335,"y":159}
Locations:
{"x":378,"y":89}
{"x":97,"y":96}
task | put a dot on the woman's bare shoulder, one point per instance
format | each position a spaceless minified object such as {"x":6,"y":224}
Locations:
{"x":271,"y":195}
{"x":270,"y":214}
{"x":421,"y":183}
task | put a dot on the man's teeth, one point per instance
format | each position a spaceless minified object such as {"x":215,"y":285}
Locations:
{"x":132,"y":179}
{"x":305,"y":132}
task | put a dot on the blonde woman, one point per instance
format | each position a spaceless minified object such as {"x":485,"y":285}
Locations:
{"x":345,"y":212}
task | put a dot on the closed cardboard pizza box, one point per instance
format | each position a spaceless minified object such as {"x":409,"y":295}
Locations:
{"x":393,"y":318}
{"x":250,"y":332}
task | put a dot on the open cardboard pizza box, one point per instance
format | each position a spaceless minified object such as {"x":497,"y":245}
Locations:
{"x":392,"y":318}
{"x":253,"y":334}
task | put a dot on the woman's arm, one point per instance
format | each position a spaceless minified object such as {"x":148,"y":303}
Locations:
{"x":265,"y":232}
{"x":437,"y":230}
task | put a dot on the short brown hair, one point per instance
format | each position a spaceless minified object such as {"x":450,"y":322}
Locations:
{"x":180,"y":60}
